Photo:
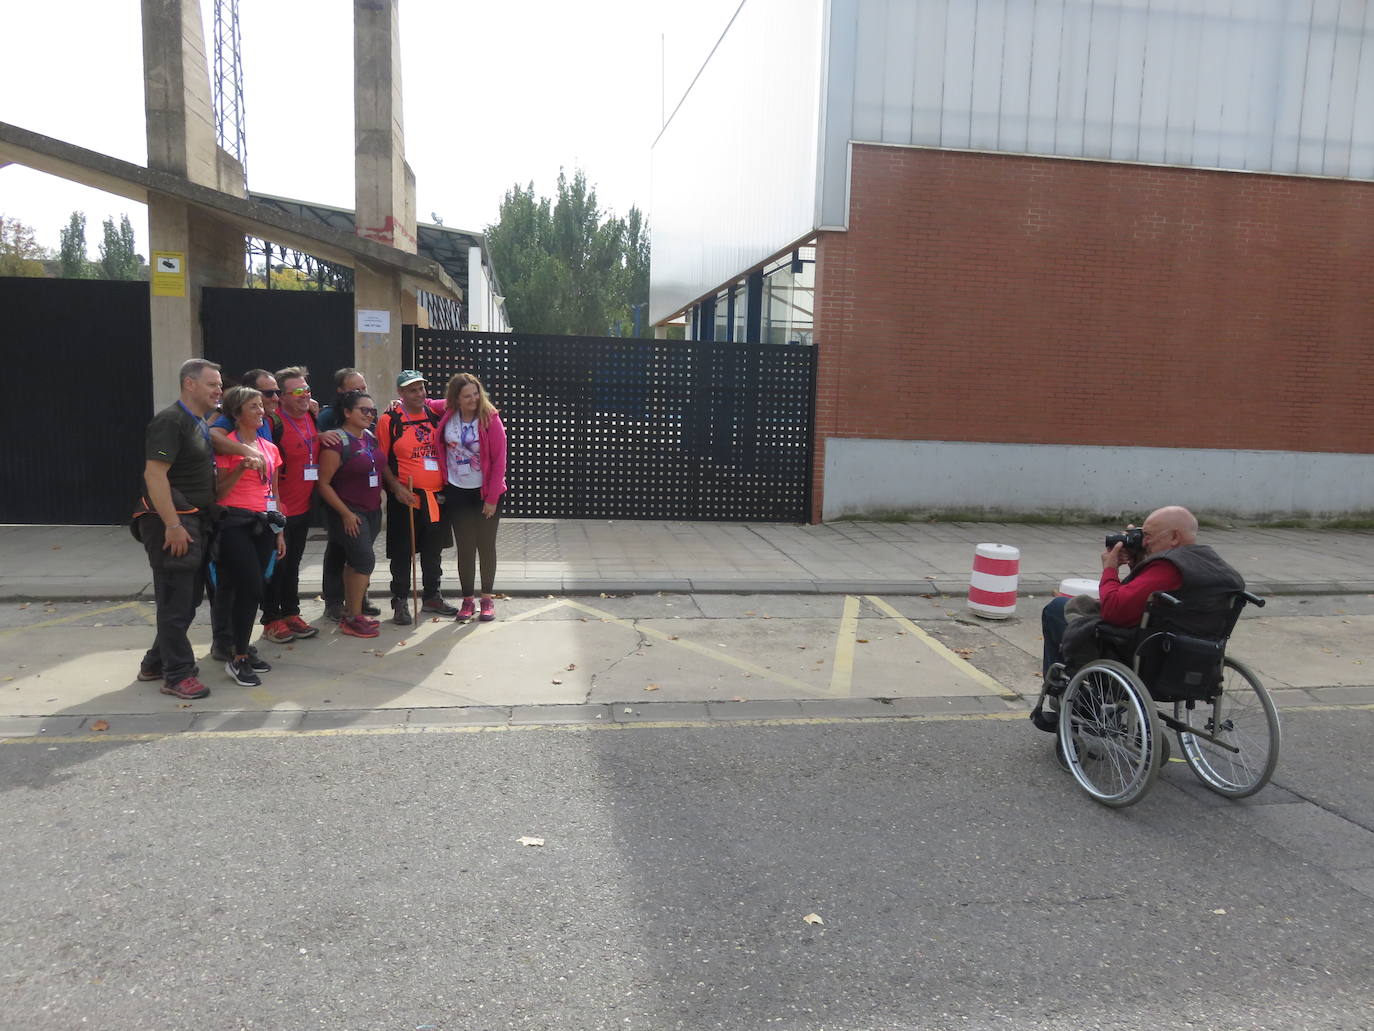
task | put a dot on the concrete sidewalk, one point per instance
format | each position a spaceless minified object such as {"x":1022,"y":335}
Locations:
{"x":593,"y":556}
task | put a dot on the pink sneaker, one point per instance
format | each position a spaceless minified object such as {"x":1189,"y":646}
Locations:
{"x":488,"y":610}
{"x":354,"y":626}
{"x":467,"y":611}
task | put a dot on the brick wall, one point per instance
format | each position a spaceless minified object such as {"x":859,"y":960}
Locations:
{"x":1000,"y":298}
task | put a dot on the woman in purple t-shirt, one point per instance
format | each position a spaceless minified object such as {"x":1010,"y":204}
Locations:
{"x":351,"y":486}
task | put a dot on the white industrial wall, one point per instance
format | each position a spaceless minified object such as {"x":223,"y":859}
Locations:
{"x":734,"y":170}
{"x":1257,"y":85}
{"x":485,"y":312}
{"x":873,"y":476}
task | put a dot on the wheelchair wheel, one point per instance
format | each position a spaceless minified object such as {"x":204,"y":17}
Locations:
{"x":1108,"y":733}
{"x":1242,"y":716}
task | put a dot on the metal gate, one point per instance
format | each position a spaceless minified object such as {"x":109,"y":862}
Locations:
{"x":609,"y":428}
{"x":76,"y":356}
{"x":271,"y":329}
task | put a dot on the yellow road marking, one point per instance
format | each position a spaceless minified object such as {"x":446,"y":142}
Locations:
{"x":503,"y":728}
{"x":85,"y":613}
{"x":700,"y":649}
{"x":842,"y":671}
{"x":958,"y":662}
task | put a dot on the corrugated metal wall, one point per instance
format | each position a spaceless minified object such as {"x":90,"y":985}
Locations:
{"x":1257,"y":85}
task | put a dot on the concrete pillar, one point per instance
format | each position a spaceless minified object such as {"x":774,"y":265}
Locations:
{"x":181,"y":140}
{"x":384,"y":185}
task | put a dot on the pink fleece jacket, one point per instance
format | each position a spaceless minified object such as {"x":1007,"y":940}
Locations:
{"x":491,"y":442}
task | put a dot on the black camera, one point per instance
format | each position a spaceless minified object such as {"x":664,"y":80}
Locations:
{"x":1131,"y":540}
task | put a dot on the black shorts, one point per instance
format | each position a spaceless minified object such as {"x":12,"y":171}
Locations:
{"x":358,"y":551}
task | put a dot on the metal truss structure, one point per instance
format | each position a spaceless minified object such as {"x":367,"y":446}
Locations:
{"x":230,"y":127}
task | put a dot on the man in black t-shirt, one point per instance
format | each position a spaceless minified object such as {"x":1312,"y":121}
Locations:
{"x":175,"y":524}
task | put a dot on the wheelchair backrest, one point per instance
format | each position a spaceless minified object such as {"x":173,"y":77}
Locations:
{"x":1181,"y":647}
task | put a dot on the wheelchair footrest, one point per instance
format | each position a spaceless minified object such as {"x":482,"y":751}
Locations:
{"x":1046,"y":721}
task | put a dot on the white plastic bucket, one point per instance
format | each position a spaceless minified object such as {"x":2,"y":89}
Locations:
{"x":1075,"y":586}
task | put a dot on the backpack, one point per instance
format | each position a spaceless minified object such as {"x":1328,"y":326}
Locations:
{"x":397,"y":426}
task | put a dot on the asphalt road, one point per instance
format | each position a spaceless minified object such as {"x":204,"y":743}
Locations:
{"x":373,"y":880}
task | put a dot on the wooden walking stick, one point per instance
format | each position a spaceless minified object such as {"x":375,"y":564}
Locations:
{"x":414,"y":579}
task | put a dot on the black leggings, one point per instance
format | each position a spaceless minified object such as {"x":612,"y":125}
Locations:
{"x":239,"y":571}
{"x":473,"y":535}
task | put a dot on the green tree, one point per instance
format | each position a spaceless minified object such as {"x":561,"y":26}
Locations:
{"x":117,"y":257}
{"x":73,"y":249}
{"x":567,"y":266}
{"x":20,"y":254}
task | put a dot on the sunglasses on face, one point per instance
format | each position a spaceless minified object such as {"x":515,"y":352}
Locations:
{"x":371,"y":413}
{"x":270,"y":393}
{"x":298,"y":391}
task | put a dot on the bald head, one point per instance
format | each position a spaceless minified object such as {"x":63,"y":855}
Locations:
{"x":1170,"y":527}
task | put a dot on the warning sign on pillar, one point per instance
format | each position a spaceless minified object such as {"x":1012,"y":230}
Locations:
{"x":169,"y":274}
{"x":373,"y":320}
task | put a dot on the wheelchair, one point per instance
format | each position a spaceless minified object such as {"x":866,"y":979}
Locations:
{"x":1113,"y":711}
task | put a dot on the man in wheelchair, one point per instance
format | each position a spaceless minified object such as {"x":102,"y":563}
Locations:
{"x":1162,"y":556}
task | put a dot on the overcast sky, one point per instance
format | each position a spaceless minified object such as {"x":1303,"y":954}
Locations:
{"x":495,"y":94}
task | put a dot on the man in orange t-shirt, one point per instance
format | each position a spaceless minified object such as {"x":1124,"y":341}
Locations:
{"x":407,"y":437}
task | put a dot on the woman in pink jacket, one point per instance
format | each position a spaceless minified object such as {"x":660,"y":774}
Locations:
{"x":475,"y":473}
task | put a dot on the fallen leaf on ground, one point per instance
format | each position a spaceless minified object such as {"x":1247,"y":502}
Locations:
{"x":399,"y":643}
{"x":571,"y":665}
{"x":861,"y":640}
{"x":448,"y":673}
{"x":183,"y":705}
{"x":1219,"y":912}
{"x":557,"y":681}
{"x":101,"y":725}
{"x":739,"y":698}
{"x":26,"y":604}
{"x":674,"y":638}
{"x":813,"y":918}
{"x":527,"y":840}
{"x":651,"y":687}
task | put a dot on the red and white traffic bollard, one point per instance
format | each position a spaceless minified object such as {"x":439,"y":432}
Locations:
{"x":992,"y":586}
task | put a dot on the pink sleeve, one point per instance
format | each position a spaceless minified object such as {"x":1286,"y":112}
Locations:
{"x":493,"y":461}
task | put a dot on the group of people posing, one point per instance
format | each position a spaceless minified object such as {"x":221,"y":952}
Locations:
{"x":231,"y":478}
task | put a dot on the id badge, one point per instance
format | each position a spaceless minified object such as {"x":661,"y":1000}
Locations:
{"x":272,"y":504}
{"x":431,"y":465}
{"x":310,"y":472}
{"x":372,"y":479}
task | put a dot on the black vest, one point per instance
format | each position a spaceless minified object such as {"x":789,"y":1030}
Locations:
{"x":1207,"y":594}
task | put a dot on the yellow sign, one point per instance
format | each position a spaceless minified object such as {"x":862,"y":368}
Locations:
{"x":169,"y":274}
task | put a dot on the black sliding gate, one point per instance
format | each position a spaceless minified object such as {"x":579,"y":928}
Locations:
{"x":609,"y":428}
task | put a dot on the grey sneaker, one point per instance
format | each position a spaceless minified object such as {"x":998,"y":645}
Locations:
{"x":334,"y":612}
{"x":400,"y":612}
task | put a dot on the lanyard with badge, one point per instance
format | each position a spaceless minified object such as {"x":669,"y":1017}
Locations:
{"x":365,"y":447}
{"x":310,"y":471}
{"x":204,"y":431}
{"x":264,"y":474}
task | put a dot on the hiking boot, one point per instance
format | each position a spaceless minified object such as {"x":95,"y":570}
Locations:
{"x":468,"y":610}
{"x":334,"y":612}
{"x":147,"y":674}
{"x":301,"y":628}
{"x":353,"y":626}
{"x":241,"y":672}
{"x":188,"y":689}
{"x":435,"y":603}
{"x":279,"y":632}
{"x":369,"y":609}
{"x":400,"y":612}
{"x":488,"y":610}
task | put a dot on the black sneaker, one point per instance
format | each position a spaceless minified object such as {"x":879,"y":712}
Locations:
{"x":334,"y":612}
{"x":369,"y":609}
{"x":259,"y":665}
{"x":241,"y":673}
{"x":435,"y":603}
{"x":400,"y":612}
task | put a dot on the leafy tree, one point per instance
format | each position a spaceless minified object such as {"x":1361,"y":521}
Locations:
{"x":566,"y":266}
{"x":117,"y":257}
{"x":20,"y":254}
{"x":73,"y":249}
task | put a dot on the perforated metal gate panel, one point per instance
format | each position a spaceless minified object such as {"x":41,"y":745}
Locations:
{"x":603,"y":427}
